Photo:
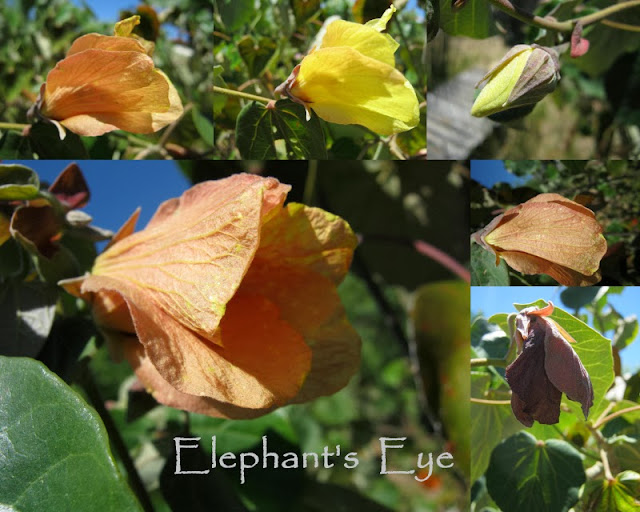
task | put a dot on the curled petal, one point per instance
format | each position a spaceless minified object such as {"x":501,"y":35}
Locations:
{"x":362,"y":38}
{"x":70,"y":188}
{"x":564,"y":368}
{"x":310,"y":250}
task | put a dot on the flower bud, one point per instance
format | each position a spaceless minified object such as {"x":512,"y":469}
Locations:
{"x":525,"y":75}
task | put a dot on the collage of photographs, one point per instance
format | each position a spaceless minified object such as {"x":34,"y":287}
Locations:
{"x":311,"y":255}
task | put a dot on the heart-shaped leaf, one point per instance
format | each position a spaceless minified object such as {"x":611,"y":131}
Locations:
{"x":527,"y":475}
{"x":55,"y":451}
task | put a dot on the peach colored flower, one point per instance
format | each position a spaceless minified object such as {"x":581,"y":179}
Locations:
{"x":548,"y":234}
{"x":226,"y":303}
{"x":108,"y":83}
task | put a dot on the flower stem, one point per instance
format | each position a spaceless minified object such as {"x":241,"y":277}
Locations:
{"x":487,"y":361}
{"x":239,"y":94}
{"x":621,"y":26}
{"x":606,"y":12}
{"x":13,"y":126}
{"x":560,"y":26}
{"x":489,"y":402}
{"x":443,"y":258}
{"x":604,"y":420}
{"x":602,"y":450}
{"x":520,"y":14}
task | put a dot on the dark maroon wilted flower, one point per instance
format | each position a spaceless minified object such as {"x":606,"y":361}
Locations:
{"x":546,"y":367}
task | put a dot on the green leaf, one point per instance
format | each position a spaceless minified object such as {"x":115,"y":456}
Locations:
{"x":304,"y":9}
{"x":474,"y":20}
{"x":490,"y":424}
{"x":12,"y":259}
{"x":484,"y":271}
{"x":595,"y":353}
{"x":304,"y":139}
{"x":18,"y":182}
{"x":13,"y":146}
{"x":46,"y":142}
{"x":255,"y":133}
{"x":626,"y":332}
{"x":235,"y":13}
{"x":26,"y":315}
{"x":55,"y":453}
{"x":620,"y":494}
{"x":203,"y":125}
{"x":256,"y":54}
{"x":258,"y":128}
{"x":577,"y":297}
{"x":527,"y":475}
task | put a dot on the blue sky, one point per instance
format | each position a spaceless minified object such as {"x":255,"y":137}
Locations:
{"x":491,"y":300}
{"x":490,"y":172}
{"x":108,"y":10}
{"x":119,"y":187}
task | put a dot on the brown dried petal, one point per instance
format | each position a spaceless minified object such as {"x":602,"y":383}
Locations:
{"x":70,"y":188}
{"x":537,"y":398}
{"x":39,"y":228}
{"x":564,"y":368}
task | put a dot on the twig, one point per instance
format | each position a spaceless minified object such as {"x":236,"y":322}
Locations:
{"x":560,"y":26}
{"x":621,"y":26}
{"x":611,"y":416}
{"x":490,"y":402}
{"x":239,"y":94}
{"x":487,"y":361}
{"x":443,"y":258}
{"x":602,"y":450}
{"x":13,"y":126}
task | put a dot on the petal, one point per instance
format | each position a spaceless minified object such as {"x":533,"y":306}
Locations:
{"x":195,"y":251}
{"x":344,"y":86}
{"x":304,"y":253}
{"x":365,"y":39}
{"x":71,"y":188}
{"x":304,"y":237}
{"x":93,"y":91}
{"x":502,"y":79}
{"x":166,"y":394}
{"x":100,"y":42}
{"x":564,"y":368}
{"x":538,"y":398}
{"x":529,"y":264}
{"x":557,"y":230}
{"x":263,"y":363}
{"x":310,"y":303}
{"x":37,"y":227}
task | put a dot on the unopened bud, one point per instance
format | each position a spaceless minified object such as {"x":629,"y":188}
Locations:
{"x":525,"y":75}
